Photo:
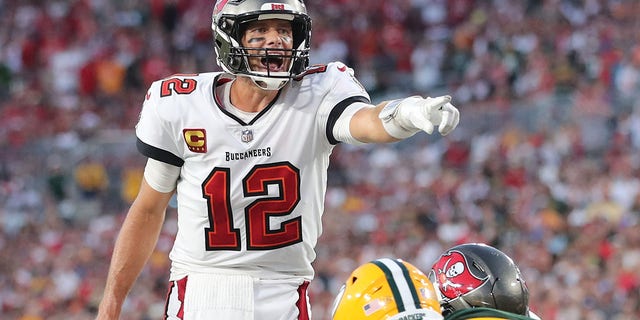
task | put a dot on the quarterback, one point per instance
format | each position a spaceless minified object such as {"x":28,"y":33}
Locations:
{"x":246,"y":151}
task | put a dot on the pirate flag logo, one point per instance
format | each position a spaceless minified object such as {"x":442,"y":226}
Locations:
{"x":454,"y":277}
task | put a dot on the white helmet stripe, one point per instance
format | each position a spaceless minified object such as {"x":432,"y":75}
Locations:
{"x":400,"y":282}
{"x":267,"y":16}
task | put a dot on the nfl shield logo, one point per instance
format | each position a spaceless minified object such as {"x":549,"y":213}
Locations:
{"x":247,"y":136}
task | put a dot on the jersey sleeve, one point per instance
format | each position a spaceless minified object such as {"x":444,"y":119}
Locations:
{"x":155,"y":137}
{"x":344,"y":92}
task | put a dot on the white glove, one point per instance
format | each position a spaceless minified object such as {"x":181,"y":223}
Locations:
{"x":404,"y":117}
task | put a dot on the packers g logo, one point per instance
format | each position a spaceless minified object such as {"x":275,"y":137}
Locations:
{"x":196,"y":140}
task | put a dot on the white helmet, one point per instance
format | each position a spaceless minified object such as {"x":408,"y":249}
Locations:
{"x":228,"y":20}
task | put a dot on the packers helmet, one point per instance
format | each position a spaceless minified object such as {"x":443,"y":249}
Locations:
{"x":476,"y":275}
{"x":390,"y":289}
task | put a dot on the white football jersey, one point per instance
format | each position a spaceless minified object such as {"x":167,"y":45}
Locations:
{"x":250,"y":195}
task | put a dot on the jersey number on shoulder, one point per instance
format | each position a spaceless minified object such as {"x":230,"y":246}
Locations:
{"x":260,"y":235}
{"x":177,"y":85}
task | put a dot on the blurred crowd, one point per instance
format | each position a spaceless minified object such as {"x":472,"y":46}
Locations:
{"x":545,"y":164}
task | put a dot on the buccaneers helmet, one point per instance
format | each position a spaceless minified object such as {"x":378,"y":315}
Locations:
{"x":478,"y":275}
{"x":229,"y":20}
{"x":386,"y":288}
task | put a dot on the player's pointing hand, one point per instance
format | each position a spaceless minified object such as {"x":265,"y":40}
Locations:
{"x":404,"y":117}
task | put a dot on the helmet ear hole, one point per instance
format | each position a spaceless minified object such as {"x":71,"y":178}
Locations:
{"x":235,"y":61}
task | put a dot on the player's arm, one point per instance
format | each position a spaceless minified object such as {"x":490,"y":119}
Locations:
{"x":138,"y":236}
{"x":134,"y":245}
{"x":399,"y":119}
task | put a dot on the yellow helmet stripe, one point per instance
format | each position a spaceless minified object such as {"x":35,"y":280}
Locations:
{"x":403,"y":289}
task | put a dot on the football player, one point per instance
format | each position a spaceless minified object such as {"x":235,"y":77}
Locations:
{"x":393,"y":289}
{"x":477,"y":280}
{"x":246,"y":152}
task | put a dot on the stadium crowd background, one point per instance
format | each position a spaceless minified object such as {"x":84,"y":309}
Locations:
{"x":545,"y":164}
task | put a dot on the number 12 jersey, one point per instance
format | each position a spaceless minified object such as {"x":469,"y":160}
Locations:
{"x":251,"y":189}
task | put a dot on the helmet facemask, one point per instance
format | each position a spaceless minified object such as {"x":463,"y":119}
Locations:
{"x":229,"y":25}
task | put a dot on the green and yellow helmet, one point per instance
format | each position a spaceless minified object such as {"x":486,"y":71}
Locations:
{"x":390,"y":289}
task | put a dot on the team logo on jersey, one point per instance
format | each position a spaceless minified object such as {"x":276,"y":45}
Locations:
{"x":247,"y":136}
{"x":454,"y":276}
{"x":196,"y":140}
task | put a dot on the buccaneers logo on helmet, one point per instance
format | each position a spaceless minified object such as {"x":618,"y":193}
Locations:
{"x":454,"y":275}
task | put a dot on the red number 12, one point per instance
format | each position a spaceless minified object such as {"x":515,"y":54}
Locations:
{"x":260,"y":236}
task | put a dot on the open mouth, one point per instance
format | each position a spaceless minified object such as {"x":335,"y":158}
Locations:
{"x":272,"y":63}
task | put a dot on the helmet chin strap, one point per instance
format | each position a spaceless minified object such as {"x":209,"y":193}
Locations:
{"x":266,"y":83}
{"x":263,"y":79}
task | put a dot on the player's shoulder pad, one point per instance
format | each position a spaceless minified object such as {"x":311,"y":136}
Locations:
{"x":329,"y":77}
{"x":325,"y":70}
{"x":177,"y":85}
{"x":171,"y":96}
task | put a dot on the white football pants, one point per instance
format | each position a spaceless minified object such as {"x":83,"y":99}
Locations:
{"x":236,"y":297}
